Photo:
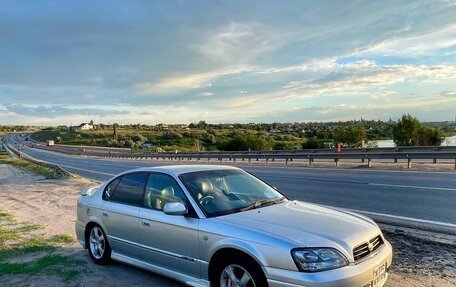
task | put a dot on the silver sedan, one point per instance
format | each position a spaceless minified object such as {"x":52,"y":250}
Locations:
{"x":221,"y":226}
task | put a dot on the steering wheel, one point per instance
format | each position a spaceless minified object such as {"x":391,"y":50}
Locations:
{"x":206,"y":199}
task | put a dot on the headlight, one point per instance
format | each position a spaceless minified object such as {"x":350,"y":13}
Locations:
{"x":89,"y":191}
{"x":318,"y":259}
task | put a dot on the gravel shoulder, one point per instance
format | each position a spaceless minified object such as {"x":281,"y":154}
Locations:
{"x":420,"y":260}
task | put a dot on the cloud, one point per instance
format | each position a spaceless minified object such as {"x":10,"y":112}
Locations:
{"x":425,"y":109}
{"x":189,"y":81}
{"x":206,"y":94}
{"x":418,"y":44}
{"x":223,"y":61}
{"x":446,"y":94}
{"x":58,"y":111}
{"x":364,"y":74}
{"x":236,"y":43}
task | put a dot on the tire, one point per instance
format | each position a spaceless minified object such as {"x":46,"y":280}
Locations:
{"x":98,"y":246}
{"x":240,"y":268}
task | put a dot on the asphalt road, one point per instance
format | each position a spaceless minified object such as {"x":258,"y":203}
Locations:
{"x":426,"y":196}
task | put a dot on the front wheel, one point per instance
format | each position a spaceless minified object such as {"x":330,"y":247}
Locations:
{"x":99,"y":249}
{"x":239,"y":270}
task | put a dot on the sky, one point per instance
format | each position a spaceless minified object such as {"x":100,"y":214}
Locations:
{"x":67,"y":62}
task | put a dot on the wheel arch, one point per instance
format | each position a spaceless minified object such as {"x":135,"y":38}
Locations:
{"x":88,"y":226}
{"x":224,"y":251}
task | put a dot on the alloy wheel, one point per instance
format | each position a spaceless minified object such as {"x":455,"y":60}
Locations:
{"x":97,"y":242}
{"x":236,"y":276}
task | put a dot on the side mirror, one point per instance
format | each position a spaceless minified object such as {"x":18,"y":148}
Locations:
{"x":175,"y":208}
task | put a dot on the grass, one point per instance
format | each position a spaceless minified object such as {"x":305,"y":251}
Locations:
{"x":28,"y":166}
{"x":6,"y":217}
{"x":16,"y":241}
{"x":53,"y":264}
{"x":7,"y":233}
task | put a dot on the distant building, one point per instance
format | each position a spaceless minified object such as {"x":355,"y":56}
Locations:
{"x":385,"y":143}
{"x":449,"y":141}
{"x":163,"y":127}
{"x":82,"y":127}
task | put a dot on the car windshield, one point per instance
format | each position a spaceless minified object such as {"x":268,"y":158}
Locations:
{"x":221,"y":192}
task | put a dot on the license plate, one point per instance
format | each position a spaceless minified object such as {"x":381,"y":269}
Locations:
{"x":379,"y":275}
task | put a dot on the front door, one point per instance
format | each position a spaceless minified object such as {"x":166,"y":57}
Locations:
{"x":168,"y":241}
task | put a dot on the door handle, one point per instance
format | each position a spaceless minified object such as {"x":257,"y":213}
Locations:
{"x":145,"y":223}
{"x":105,"y":213}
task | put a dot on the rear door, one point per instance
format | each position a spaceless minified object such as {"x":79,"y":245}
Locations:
{"x":122,"y":200}
{"x":168,"y":241}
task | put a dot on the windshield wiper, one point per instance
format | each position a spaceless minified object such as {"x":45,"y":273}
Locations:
{"x":260,"y":203}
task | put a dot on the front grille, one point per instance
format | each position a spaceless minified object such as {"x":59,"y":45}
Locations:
{"x":363,"y":250}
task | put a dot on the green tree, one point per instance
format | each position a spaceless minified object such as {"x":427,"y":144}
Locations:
{"x":169,"y":136}
{"x":406,"y":131}
{"x":114,"y":135}
{"x":138,"y":138}
{"x":350,"y":135}
{"x":209,"y":138}
{"x":129,"y":144}
{"x":202,"y":124}
{"x":429,"y":136}
{"x":240,"y":143}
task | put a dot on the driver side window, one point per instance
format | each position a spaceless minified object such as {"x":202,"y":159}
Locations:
{"x":162,"y":189}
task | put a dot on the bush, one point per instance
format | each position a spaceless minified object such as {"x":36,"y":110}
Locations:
{"x":313,"y":144}
{"x":351,"y":135}
{"x":409,"y":132}
{"x":286,"y":146}
{"x":429,"y":136}
{"x":138,"y":138}
{"x":239,"y":143}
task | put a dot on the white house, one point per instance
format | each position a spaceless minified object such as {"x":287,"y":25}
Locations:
{"x":82,"y":127}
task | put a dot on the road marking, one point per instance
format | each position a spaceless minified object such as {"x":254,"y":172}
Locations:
{"x":412,"y":186}
{"x":374,"y":170}
{"x":439,"y":223}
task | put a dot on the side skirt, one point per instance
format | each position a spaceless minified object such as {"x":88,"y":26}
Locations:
{"x":189,"y":280}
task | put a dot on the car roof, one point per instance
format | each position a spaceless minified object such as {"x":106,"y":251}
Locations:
{"x":181,"y":169}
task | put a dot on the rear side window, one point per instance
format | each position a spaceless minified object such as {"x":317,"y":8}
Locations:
{"x":130,"y":189}
{"x":109,"y":190}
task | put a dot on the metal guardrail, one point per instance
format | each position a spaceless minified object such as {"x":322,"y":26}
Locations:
{"x":367,"y":157}
{"x":9,"y":151}
{"x":58,"y":171}
{"x":433,"y":153}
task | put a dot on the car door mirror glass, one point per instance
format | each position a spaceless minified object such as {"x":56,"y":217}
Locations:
{"x":175,"y":208}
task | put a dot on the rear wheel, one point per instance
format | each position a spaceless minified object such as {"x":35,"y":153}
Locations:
{"x":99,"y":249}
{"x":239,"y":270}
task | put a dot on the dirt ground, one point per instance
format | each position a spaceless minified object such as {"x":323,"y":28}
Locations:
{"x":418,"y":262}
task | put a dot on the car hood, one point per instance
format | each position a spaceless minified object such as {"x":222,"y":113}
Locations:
{"x":308,"y":225}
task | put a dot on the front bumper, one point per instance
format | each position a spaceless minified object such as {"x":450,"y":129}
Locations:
{"x":358,"y":275}
{"x":80,"y":234}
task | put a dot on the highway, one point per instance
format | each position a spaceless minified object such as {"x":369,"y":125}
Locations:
{"x":423,"y":196}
